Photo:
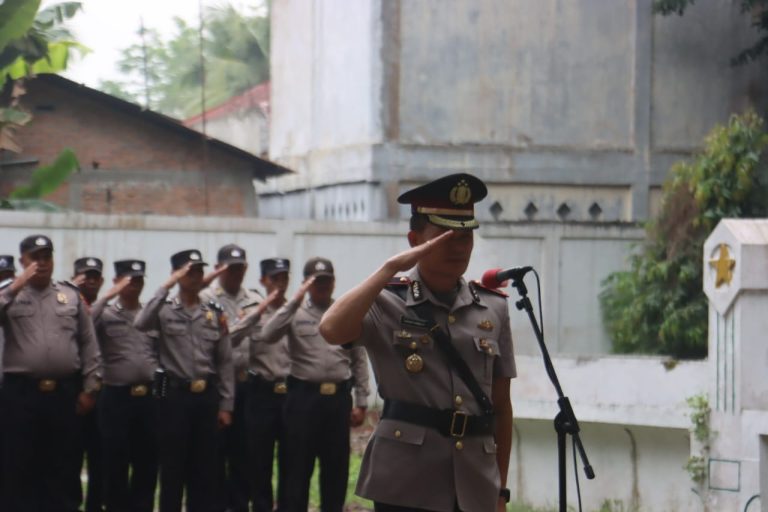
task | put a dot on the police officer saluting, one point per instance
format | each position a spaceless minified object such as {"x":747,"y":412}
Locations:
{"x":441,"y":349}
{"x":126,"y":408}
{"x":196,"y":356}
{"x":7,"y":271}
{"x":318,"y":409}
{"x":233,"y":486}
{"x":51,"y":365}
{"x":89,"y":280}
{"x":269,"y":366}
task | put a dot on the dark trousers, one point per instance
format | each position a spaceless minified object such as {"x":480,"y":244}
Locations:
{"x":90,"y":452}
{"x":384,"y":507}
{"x":128,"y":433}
{"x":186,"y":427}
{"x":233,"y":490}
{"x":316,"y":426}
{"x":264,"y":420}
{"x":40,"y":443}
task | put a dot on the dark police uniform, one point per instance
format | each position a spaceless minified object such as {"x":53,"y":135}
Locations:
{"x":233,"y":493}
{"x":434,"y":448}
{"x":196,"y":356}
{"x":126,"y":407}
{"x":51,"y":355}
{"x":319,"y":402}
{"x":268,"y":370}
{"x":90,"y":443}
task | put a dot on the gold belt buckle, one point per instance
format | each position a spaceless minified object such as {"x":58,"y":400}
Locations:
{"x":46,"y":385}
{"x":328,"y":388}
{"x":242,"y":376}
{"x":459,"y":416}
{"x":197,"y":386}
{"x":139,"y":390}
{"x":280,"y":388}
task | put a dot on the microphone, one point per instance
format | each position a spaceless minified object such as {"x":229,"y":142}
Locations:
{"x":495,"y":277}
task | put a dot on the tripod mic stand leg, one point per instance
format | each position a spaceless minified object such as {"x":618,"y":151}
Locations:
{"x":560,"y":428}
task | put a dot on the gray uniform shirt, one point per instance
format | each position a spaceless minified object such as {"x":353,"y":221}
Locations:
{"x":191,"y":345}
{"x":270,"y":361}
{"x":233,"y":306}
{"x":312,"y":358}
{"x":49,"y":334}
{"x":401,"y":453}
{"x":129,"y":354}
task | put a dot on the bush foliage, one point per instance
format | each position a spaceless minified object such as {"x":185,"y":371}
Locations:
{"x":658,"y":306}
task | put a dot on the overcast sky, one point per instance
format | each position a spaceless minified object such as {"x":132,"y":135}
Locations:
{"x":107,"y":26}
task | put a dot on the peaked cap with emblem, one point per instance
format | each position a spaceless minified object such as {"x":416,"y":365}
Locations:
{"x":231,"y":254}
{"x":34,"y":243}
{"x":272,"y":266}
{"x":447,"y":202}
{"x":181,"y":258}
{"x":6,"y":263}
{"x":88,"y":264}
{"x":133,"y":268}
{"x":318,"y":267}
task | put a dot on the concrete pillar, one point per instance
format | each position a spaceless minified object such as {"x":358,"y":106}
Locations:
{"x":736,"y":284}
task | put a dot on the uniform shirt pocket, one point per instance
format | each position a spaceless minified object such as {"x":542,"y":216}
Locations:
{"x":116,"y":330}
{"x":210,"y":334}
{"x":411,"y":339}
{"x":67,"y":314}
{"x":401,"y":432}
{"x":174,"y":329}
{"x":487,"y":349}
{"x":24,"y":311}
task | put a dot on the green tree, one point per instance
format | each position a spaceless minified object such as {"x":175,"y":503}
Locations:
{"x":32,"y":43}
{"x":658,"y":306}
{"x":168,"y":75}
{"x":757,"y":9}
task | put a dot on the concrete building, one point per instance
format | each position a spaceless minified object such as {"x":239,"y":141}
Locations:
{"x":571,"y":110}
{"x":131,"y":160}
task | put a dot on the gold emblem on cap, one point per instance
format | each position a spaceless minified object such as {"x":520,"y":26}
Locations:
{"x":460,"y":193}
{"x":62,"y":298}
{"x":414,"y":363}
{"x":486,"y":325}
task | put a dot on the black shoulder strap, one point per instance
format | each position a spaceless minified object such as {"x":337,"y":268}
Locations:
{"x":443,"y":341}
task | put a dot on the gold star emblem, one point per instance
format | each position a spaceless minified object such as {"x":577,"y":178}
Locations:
{"x":723,"y":266}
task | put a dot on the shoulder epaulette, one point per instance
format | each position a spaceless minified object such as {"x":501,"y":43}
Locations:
{"x":479,"y":286}
{"x":6,"y":283}
{"x":398,"y":286}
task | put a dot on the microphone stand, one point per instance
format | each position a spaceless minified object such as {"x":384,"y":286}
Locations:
{"x":565,"y":421}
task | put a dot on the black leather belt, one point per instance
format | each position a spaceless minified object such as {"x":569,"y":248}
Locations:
{"x":44,"y":385}
{"x":324,"y":388}
{"x":260,"y":384}
{"x":192,"y":385}
{"x":448,"y":422}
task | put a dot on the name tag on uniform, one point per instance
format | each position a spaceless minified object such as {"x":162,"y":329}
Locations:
{"x":413,"y":322}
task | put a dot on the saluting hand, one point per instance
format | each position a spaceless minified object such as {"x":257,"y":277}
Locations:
{"x":22,"y":279}
{"x":406,"y":260}
{"x":117,"y":288}
{"x":176,"y":275}
{"x":210,"y":276}
{"x":78,"y":280}
{"x":303,"y":288}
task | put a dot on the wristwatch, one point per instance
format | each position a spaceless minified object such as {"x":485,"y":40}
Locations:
{"x":504,"y":493}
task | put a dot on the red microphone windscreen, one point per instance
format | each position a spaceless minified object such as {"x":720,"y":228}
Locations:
{"x":489,"y":278}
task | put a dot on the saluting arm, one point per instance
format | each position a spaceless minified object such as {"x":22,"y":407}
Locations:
{"x":148,"y":318}
{"x":245,"y":325}
{"x":343,"y":322}
{"x":280,"y":323}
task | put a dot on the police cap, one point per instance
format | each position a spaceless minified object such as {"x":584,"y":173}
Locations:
{"x":231,"y":254}
{"x":88,"y":264}
{"x":447,"y":202}
{"x":272,"y":266}
{"x":318,"y":267}
{"x":181,"y":258}
{"x":133,"y":268}
{"x":6,"y":263}
{"x":34,"y":243}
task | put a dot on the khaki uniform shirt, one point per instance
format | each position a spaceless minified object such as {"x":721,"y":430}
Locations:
{"x":191,"y":345}
{"x":312,"y":358}
{"x":49,"y":334}
{"x":129,"y":355}
{"x":415,"y":466}
{"x":270,"y":361}
{"x":233,"y":306}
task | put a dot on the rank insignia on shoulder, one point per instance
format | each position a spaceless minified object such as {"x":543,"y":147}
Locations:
{"x":416,"y":290}
{"x":61,"y":298}
{"x":477,"y":285}
{"x":486,"y":325}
